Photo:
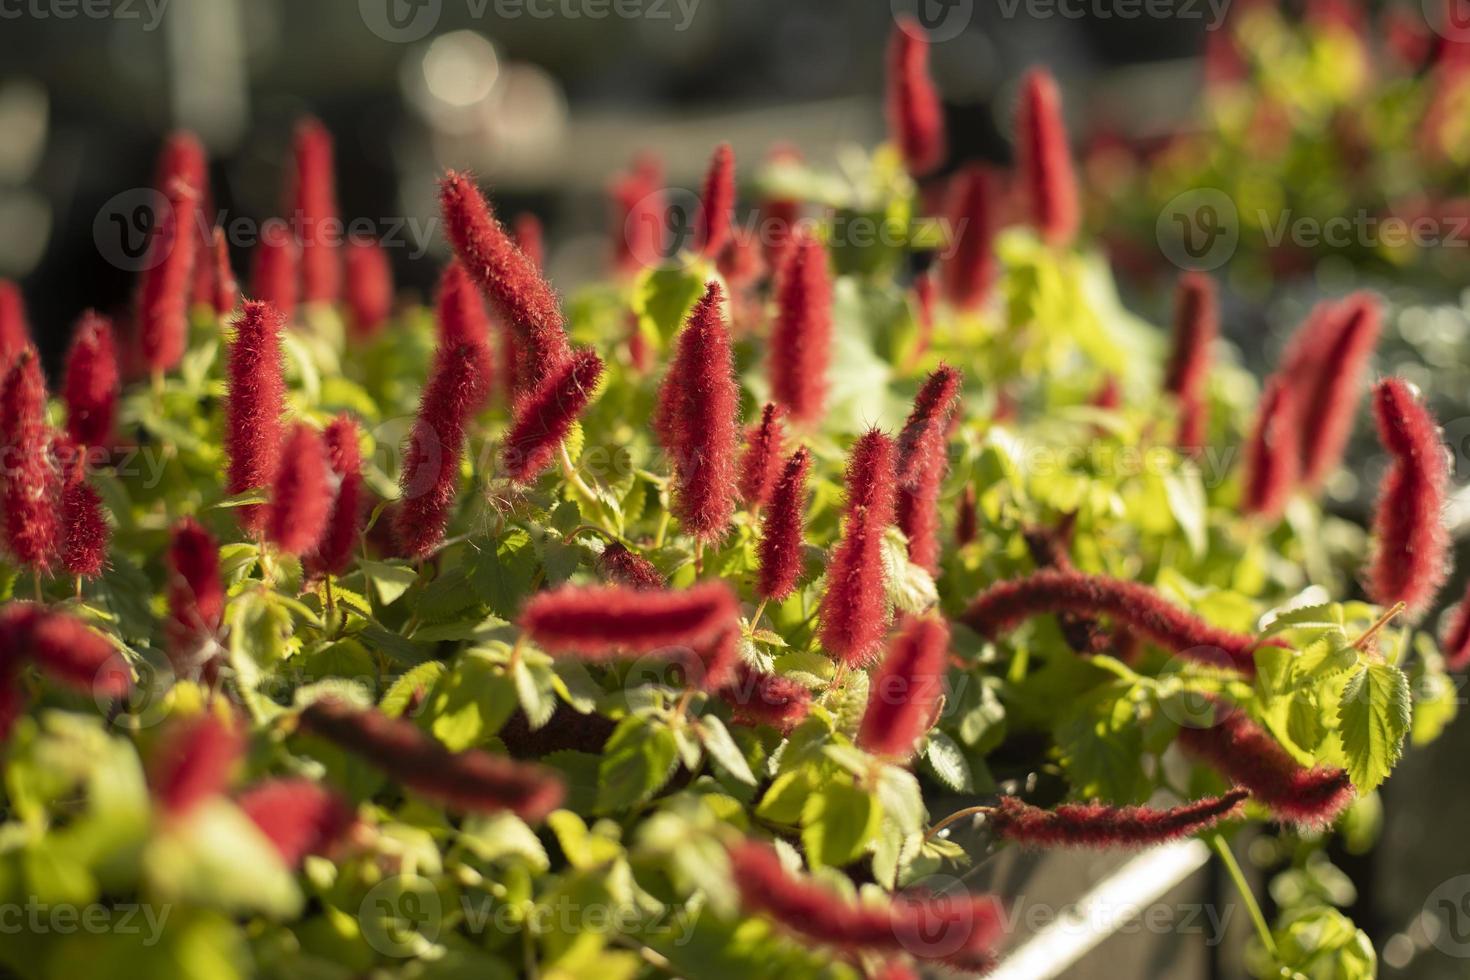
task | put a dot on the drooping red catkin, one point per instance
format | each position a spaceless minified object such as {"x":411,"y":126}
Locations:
{"x":253,"y":407}
{"x":1328,"y":368}
{"x":968,"y":266}
{"x":639,"y":210}
{"x":508,"y":278}
{"x":338,"y":544}
{"x":915,"y":118}
{"x":1456,"y":642}
{"x":599,"y":620}
{"x":196,"y":595}
{"x":194,"y":762}
{"x":225,"y":291}
{"x":462,"y":321}
{"x":854,"y":609}
{"x":313,"y":208}
{"x":369,"y":286}
{"x":531,"y":238}
{"x":1247,"y":755}
{"x":622,"y":567}
{"x":904,"y":693}
{"x":90,"y":384}
{"x":429,"y":482}
{"x":716,"y":214}
{"x":1272,"y":457}
{"x":66,"y":650}
{"x":766,"y":699}
{"x":473,"y":781}
{"x":801,"y":337}
{"x":1005,"y":605}
{"x":1196,"y":325}
{"x":1411,"y":542}
{"x":298,"y":816}
{"x":781,"y":527}
{"x":301,"y":493}
{"x":1101,"y":825}
{"x":274,"y":276}
{"x":84,"y":530}
{"x":967,"y":520}
{"x":15,"y":335}
{"x":760,"y":465}
{"x":701,"y":399}
{"x":1044,"y":160}
{"x":543,"y":419}
{"x":31,"y":488}
{"x":166,"y":279}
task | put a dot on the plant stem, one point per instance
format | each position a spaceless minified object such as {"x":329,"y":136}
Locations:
{"x":1227,"y":857}
{"x":663,"y":529}
{"x":755,"y":617}
{"x":36,"y":578}
{"x":1378,"y":625}
{"x":969,"y":811}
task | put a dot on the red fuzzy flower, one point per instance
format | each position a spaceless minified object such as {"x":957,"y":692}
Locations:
{"x":915,"y":117}
{"x":905,"y":691}
{"x":1456,"y":644}
{"x":760,"y":466}
{"x":967,"y":520}
{"x":1272,"y":462}
{"x":253,"y":408}
{"x":766,"y":699}
{"x":602,"y":620}
{"x":1327,"y":368}
{"x":508,"y":278}
{"x":297,"y":816}
{"x":462,"y":321}
{"x":90,"y":385}
{"x":778,"y":213}
{"x":301,"y":494}
{"x":273,"y":278}
{"x":923,"y":463}
{"x":182,"y":158}
{"x":854,"y":610}
{"x":164,"y":287}
{"x":622,"y":567}
{"x":15,"y":335}
{"x":1196,"y":325}
{"x":334,"y":551}
{"x":925,"y":296}
{"x":639,"y":217}
{"x":472,"y":782}
{"x":1100,"y":825}
{"x":1410,"y":558}
{"x":30,"y":482}
{"x":1005,"y":605}
{"x":430,"y":478}
{"x":225,"y":290}
{"x":780,"y":545}
{"x":716,"y":204}
{"x":801,"y":337}
{"x":1044,"y":161}
{"x":194,"y":762}
{"x":84,"y":530}
{"x":969,"y":264}
{"x":196,"y":596}
{"x":65,"y":649}
{"x":544,"y":418}
{"x":369,"y":292}
{"x":531,"y":238}
{"x":313,"y":209}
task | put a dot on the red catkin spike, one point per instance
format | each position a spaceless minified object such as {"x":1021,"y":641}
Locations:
{"x":470,"y":782}
{"x":66,"y":650}
{"x":1006,"y":605}
{"x":915,"y":117}
{"x":801,"y":337}
{"x":766,"y":699}
{"x":531,"y":238}
{"x":253,"y":408}
{"x":15,"y":335}
{"x":31,"y":487}
{"x":508,"y":278}
{"x":274,"y":277}
{"x":194,"y":762}
{"x":369,"y":286}
{"x":1247,"y":755}
{"x":182,"y":158}
{"x":926,"y":297}
{"x":463,"y":322}
{"x":313,"y":209}
{"x":196,"y":596}
{"x":760,"y":466}
{"x":429,"y":482}
{"x":90,"y":383}
{"x":225,"y":294}
{"x":854,"y":610}
{"x":602,"y":620}
{"x":781,"y":529}
{"x":904,"y":693}
{"x":716,"y":214}
{"x":702,"y":400}
{"x":1196,"y":325}
{"x":166,"y":280}
{"x":622,"y":567}
{"x":1329,"y":370}
{"x":1045,"y":161}
{"x":968,"y":266}
{"x":923,"y":464}
{"x":298,"y":817}
{"x":639,"y":211}
{"x":339,"y":543}
{"x":84,"y":530}
{"x":1099,"y":825}
{"x":778,"y":214}
{"x":301,"y":494}
{"x":1456,"y":642}
{"x":543,"y":419}
{"x":1272,"y":458}
{"x":1411,"y":542}
{"x":713,"y":665}
{"x":740,"y":263}
{"x":967,"y":520}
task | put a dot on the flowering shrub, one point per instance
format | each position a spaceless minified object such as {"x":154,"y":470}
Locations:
{"x":682,"y":598}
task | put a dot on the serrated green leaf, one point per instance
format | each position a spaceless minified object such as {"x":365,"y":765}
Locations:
{"x":838,"y":823}
{"x":946,"y":761}
{"x":534,"y":689}
{"x":1373,"y":718}
{"x":636,"y":762}
{"x":722,"y":748}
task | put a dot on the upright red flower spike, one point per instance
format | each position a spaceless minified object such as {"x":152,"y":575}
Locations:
{"x":463,"y":322}
{"x":915,"y":117}
{"x":778,"y":213}
{"x":1456,"y":642}
{"x":166,"y":280}
{"x":90,"y":384}
{"x":1196,"y":325}
{"x":1044,"y":160}
{"x":369,"y":292}
{"x":1411,"y":542}
{"x":301,"y":493}
{"x":30,"y":482}
{"x":1328,"y":366}
{"x":182,"y":158}
{"x":597,"y":621}
{"x":531,"y":238}
{"x":253,"y":407}
{"x":968,"y":266}
{"x":429,"y":481}
{"x":801,"y":337}
{"x":313,"y":210}
{"x":1100,"y":825}
{"x":923,"y":464}
{"x":854,"y":609}
{"x":781,"y":528}
{"x":1272,"y":457}
{"x":967,"y":520}
{"x":15,"y":334}
{"x":194,"y":762}
{"x":716,"y":215}
{"x":700,"y":401}
{"x":766,"y":699}
{"x":84,"y":531}
{"x":508,"y":278}
{"x":544,"y":418}
{"x":274,"y":278}
{"x":344,"y":527}
{"x":639,"y":210}
{"x":196,"y":595}
{"x":470,"y":782}
{"x":224,"y":288}
{"x":760,"y":465}
{"x":298,"y":817}
{"x":1247,"y":755}
{"x":623,"y":567}
{"x":905,"y":690}
{"x":1006,"y":605}
{"x":925,"y":298}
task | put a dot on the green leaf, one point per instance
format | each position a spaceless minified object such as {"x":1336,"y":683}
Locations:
{"x":722,"y":748}
{"x":421,"y":678}
{"x":946,"y":762}
{"x":535,"y":690}
{"x":1373,"y":718}
{"x":470,"y":703}
{"x":502,"y":835}
{"x":663,"y":297}
{"x":637,"y":760}
{"x":389,"y":579}
{"x":838,"y":822}
{"x":787,"y":795}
